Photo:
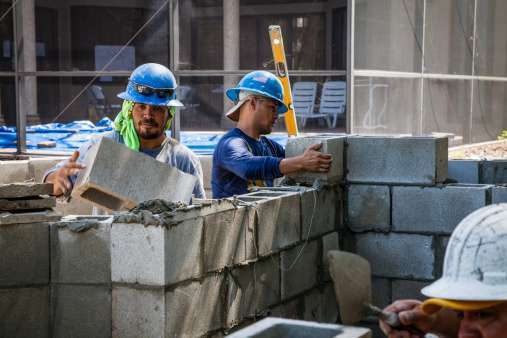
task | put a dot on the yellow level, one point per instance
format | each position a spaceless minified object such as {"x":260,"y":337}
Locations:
{"x":275,"y":35}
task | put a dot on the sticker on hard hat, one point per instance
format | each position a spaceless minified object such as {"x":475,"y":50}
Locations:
{"x":260,"y":78}
{"x":280,"y":69}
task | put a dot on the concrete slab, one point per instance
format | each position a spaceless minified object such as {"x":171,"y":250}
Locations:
{"x":14,"y":171}
{"x":14,"y":190}
{"x":112,"y":178}
{"x":24,"y":312}
{"x":7,"y":218}
{"x":400,"y":160}
{"x":80,"y":311}
{"x":25,"y":254}
{"x":31,"y":203}
{"x":330,"y":145}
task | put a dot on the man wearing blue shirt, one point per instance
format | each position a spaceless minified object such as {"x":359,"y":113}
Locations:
{"x":243,"y":156}
{"x":147,"y":111}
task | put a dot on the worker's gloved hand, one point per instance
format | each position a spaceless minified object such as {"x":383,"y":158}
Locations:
{"x":313,"y":160}
{"x":60,"y":178}
{"x":410,"y":315}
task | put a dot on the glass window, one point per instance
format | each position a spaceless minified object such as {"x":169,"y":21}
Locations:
{"x":6,"y":37}
{"x":388,"y":35}
{"x":386,"y":105}
{"x":7,"y":101}
{"x":448,"y":37}
{"x":491,"y":44}
{"x":81,"y":36}
{"x":446,"y":108}
{"x":489,"y":115}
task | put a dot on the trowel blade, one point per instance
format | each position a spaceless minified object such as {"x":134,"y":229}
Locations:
{"x":351,"y":275}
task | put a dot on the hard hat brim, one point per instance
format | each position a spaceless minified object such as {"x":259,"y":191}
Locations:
{"x":233,"y":95}
{"x":233,"y":113}
{"x":465,"y":290}
{"x":433,"y":305}
{"x":150,"y":100}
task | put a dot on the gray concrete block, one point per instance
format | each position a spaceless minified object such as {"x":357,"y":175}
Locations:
{"x":80,"y":311}
{"x":74,"y":207}
{"x":320,"y":305}
{"x":194,"y":309}
{"x":138,"y":312}
{"x":153,"y":255}
{"x":397,"y":255}
{"x":14,"y":190}
{"x":409,"y":160}
{"x":287,"y":328}
{"x":408,"y":289}
{"x":278,"y":220}
{"x":7,"y":218}
{"x":319,"y":211}
{"x":499,"y":194}
{"x":24,"y":312}
{"x":111,"y":179}
{"x":24,"y":258}
{"x":435,"y":209}
{"x":329,"y":242}
{"x":368,"y":207}
{"x":330,"y":145}
{"x":252,"y":289}
{"x":381,"y":292}
{"x":37,"y":167}
{"x":27,"y":204}
{"x":494,"y":172}
{"x":293,"y":309}
{"x":228,"y":238}
{"x":299,"y":267}
{"x":14,"y":171}
{"x":464,"y":171}
{"x":81,"y":257}
{"x":206,"y":164}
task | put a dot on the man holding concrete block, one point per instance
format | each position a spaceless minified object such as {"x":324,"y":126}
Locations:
{"x":147,"y":111}
{"x":244,"y":157}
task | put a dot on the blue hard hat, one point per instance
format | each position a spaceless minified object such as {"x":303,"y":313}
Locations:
{"x":152,"y":84}
{"x":263,"y":83}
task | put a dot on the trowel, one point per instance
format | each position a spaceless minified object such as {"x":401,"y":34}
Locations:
{"x":351,"y":275}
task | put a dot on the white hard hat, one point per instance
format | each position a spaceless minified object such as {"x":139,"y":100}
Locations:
{"x":475,"y":263}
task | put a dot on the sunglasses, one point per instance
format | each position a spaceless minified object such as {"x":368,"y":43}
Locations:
{"x":162,"y":93}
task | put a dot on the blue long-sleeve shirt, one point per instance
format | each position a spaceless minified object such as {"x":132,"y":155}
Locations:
{"x":240,"y":161}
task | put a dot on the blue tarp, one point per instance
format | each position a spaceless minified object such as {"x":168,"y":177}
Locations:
{"x":70,"y":136}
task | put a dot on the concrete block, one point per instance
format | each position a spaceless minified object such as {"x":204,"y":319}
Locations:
{"x":80,"y":311}
{"x":14,"y":171}
{"x":329,"y":242}
{"x":407,"y":160}
{"x":397,"y":255}
{"x":494,"y":172}
{"x":24,"y":258}
{"x":112,"y":178}
{"x":464,"y":171}
{"x":369,"y":207}
{"x":26,"y":204}
{"x":81,"y":257}
{"x":206,"y":165}
{"x":299,"y":267}
{"x":278,"y":220}
{"x":330,"y":145}
{"x":319,"y":211}
{"x":435,"y":209}
{"x":252,"y":289}
{"x":289,"y":328}
{"x":153,"y":255}
{"x":24,"y":312}
{"x":293,"y":309}
{"x":37,"y":167}
{"x":320,"y":305}
{"x":441,"y":243}
{"x":381,"y":292}
{"x":7,"y":218}
{"x":138,"y":312}
{"x":228,"y":238}
{"x":15,"y":190}
{"x":74,"y":207}
{"x":499,"y":194}
{"x":195,"y":309}
{"x":408,"y":289}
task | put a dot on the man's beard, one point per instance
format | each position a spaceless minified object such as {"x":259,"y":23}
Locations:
{"x":149,"y":134}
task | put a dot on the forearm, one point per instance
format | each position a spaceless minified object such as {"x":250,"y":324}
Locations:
{"x":290,"y":165}
{"x":51,"y":178}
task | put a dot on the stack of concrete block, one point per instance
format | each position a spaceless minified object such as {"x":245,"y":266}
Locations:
{"x":117,"y":178}
{"x":478,"y":171}
{"x":330,"y":144}
{"x":26,"y":197}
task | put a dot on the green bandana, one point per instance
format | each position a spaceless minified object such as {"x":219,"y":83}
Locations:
{"x":124,"y":124}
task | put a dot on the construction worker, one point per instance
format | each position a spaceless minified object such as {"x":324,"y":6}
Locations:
{"x":243,"y":156}
{"x":470,"y":300}
{"x":147,"y":111}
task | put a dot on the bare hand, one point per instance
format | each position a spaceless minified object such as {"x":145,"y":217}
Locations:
{"x":313,"y":160}
{"x":410,"y":314}
{"x":60,"y":178}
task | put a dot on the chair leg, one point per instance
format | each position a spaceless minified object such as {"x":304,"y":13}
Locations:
{"x":328,"y":121}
